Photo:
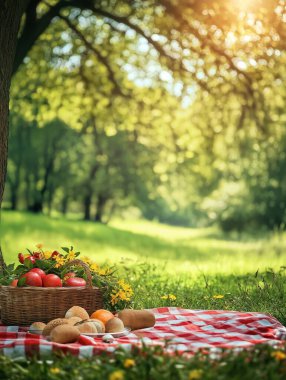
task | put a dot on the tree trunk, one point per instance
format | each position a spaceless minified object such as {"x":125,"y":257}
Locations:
{"x":10,"y":16}
{"x":101,"y":202}
{"x":87,"y":206}
{"x":65,"y":203}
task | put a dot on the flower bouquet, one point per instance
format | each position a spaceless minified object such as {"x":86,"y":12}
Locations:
{"x":46,"y":283}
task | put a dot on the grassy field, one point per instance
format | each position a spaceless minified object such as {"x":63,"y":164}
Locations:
{"x":194,"y":265}
{"x":188,"y":251}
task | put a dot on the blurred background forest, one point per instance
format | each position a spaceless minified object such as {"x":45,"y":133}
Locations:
{"x":171,"y":111}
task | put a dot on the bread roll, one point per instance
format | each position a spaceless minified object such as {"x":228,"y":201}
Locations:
{"x":137,"y":319}
{"x":65,"y":334}
{"x":73,"y":320}
{"x":114,"y":325}
{"x":77,"y":311}
{"x":87,"y":327}
{"x":52,"y":324}
{"x":98,"y":324}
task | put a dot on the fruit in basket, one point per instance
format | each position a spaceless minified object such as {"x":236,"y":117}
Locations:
{"x":77,"y":311}
{"x":30,"y":279}
{"x":29,"y":260}
{"x":114,"y":325}
{"x":68,"y":275}
{"x":39,"y":271}
{"x":103,"y":315}
{"x":21,"y":258}
{"x":52,"y":324}
{"x":75,"y":281}
{"x":14,"y":283}
{"x":98,"y":324}
{"x":64,"y":334}
{"x":37,"y":327}
{"x":86,"y":327}
{"x":52,"y":281}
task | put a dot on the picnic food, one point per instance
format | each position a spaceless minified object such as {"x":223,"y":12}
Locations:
{"x":74,"y":320}
{"x":14,"y":283}
{"x":75,"y":281}
{"x":38,"y":326}
{"x":102,"y":315}
{"x":32,"y":279}
{"x":86,"y":327}
{"x":39,"y":271}
{"x":77,"y":311}
{"x":98,"y":324}
{"x":66,"y":281}
{"x":114,"y":325}
{"x":64,"y":334}
{"x":54,"y":323}
{"x":137,"y":319}
{"x":52,"y":280}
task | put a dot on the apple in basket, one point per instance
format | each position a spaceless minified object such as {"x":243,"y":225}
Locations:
{"x":75,"y":281}
{"x":31,"y":279}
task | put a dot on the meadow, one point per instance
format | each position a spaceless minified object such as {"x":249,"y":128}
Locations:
{"x":194,"y":265}
{"x":198,"y":268}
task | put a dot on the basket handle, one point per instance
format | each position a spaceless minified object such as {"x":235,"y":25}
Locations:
{"x":86,"y":270}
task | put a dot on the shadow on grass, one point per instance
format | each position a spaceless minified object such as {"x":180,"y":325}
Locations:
{"x":103,"y":236}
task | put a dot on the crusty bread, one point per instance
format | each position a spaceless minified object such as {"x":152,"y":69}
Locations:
{"x":77,"y":311}
{"x":65,"y":334}
{"x":52,"y":324}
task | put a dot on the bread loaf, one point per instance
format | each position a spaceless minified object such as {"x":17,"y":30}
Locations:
{"x":65,"y":334}
{"x":137,"y":319}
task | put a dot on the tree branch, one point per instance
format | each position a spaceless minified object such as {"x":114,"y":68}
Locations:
{"x":100,"y":57}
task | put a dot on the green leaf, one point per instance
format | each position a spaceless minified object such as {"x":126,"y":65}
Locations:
{"x":65,"y":249}
{"x":43,"y":264}
{"x":21,"y":282}
{"x":28,"y":263}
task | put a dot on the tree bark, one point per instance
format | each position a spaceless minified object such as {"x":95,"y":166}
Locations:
{"x":10,"y":16}
{"x":100,"y":204}
{"x":87,"y":206}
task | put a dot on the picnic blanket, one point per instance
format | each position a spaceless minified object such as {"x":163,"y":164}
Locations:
{"x":176,"y":329}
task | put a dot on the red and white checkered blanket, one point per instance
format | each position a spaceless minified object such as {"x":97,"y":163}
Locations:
{"x":185,"y":331}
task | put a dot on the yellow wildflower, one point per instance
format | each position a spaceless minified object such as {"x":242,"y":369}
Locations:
{"x":170,"y":297}
{"x":94,"y":267}
{"x":278,"y":355}
{"x":55,"y":370}
{"x":116,"y":375}
{"x":86,"y":260}
{"x":40,"y":246}
{"x":218,"y":296}
{"x":195,"y":374}
{"x":128,"y":363}
{"x":71,"y":256}
{"x":59,"y":261}
{"x":47,"y":254}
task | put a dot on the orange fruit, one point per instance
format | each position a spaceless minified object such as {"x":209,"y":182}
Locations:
{"x":103,"y":315}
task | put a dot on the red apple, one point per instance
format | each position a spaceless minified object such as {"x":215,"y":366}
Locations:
{"x":32,"y":279}
{"x":14,"y":283}
{"x":51,"y":281}
{"x":21,"y":258}
{"x":30,"y":258}
{"x":75,"y":281}
{"x":39,"y":271}
{"x":55,"y":253}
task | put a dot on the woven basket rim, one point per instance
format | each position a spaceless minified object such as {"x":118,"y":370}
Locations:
{"x":41,"y":288}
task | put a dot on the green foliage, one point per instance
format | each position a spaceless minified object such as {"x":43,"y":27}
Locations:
{"x":262,"y":362}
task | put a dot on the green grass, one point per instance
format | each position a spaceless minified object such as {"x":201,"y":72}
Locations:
{"x":192,"y":264}
{"x":183,"y":250}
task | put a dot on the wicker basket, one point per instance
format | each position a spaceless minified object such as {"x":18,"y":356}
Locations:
{"x":23,"y":306}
